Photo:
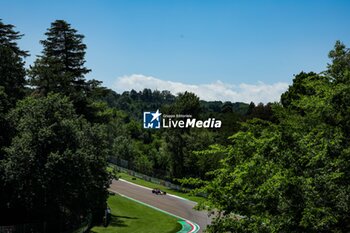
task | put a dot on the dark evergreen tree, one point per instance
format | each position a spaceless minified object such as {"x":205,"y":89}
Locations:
{"x":12,"y":81}
{"x":12,"y":72}
{"x":12,"y":77}
{"x":9,"y":38}
{"x":64,"y":43}
{"x":251,"y":108}
{"x":339,"y":69}
{"x":60,"y":68}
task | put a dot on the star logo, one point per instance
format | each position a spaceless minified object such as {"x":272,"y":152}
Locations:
{"x":155,"y":115}
{"x":151,"y":120}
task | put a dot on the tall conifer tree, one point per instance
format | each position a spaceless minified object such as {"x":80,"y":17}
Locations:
{"x":12,"y":72}
{"x":61,"y":68}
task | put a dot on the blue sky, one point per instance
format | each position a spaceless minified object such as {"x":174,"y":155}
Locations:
{"x":227,"y":50}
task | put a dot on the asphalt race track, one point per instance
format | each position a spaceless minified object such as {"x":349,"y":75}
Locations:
{"x":176,"y":206}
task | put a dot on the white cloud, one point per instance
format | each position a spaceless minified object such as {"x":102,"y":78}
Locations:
{"x":218,"y":90}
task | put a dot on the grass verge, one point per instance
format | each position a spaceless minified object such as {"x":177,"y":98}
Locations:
{"x":129,"y":216}
{"x":148,"y":184}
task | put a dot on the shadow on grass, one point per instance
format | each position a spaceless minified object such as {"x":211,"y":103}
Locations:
{"x":117,"y":220}
{"x":176,"y":228}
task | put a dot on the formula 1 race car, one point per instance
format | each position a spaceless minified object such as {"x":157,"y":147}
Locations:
{"x":158,"y":191}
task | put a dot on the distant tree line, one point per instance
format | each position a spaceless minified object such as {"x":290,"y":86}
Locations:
{"x":169,"y":154}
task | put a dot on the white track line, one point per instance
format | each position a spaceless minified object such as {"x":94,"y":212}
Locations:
{"x":171,"y":195}
{"x":195,"y":225}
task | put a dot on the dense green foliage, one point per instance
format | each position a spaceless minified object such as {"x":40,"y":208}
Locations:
{"x":279,"y":167}
{"x":54,"y":168}
{"x":291,"y":175}
{"x":53,"y":154}
{"x":58,"y":129}
{"x":169,"y":153}
{"x":60,"y":68}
